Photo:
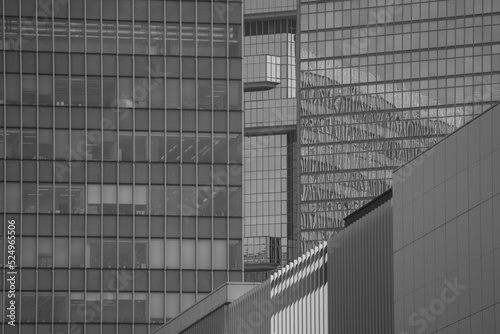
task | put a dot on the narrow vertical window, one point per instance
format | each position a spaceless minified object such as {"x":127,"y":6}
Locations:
{"x":220,"y":254}
{"x":13,"y":144}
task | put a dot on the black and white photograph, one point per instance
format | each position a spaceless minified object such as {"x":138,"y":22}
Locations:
{"x":250,"y":166}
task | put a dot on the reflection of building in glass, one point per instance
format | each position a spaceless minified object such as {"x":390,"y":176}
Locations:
{"x":120,"y":146}
{"x":270,"y":130}
{"x":378,"y":85}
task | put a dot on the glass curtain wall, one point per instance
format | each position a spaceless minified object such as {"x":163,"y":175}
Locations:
{"x":270,"y":143}
{"x":120,"y":159}
{"x":379,"y":82}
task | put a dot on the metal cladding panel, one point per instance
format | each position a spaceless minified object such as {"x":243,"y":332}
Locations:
{"x":292,"y":301}
{"x":249,"y":314}
{"x":360,"y":275}
{"x":214,"y":323}
{"x":447,"y":234}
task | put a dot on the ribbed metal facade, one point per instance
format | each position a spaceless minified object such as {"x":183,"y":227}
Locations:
{"x":248,"y":314}
{"x":294,"y":300}
{"x":360,"y":270}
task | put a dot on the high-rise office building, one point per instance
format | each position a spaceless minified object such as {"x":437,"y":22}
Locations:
{"x":120,"y":141}
{"x":270,"y":137}
{"x":379,"y":82}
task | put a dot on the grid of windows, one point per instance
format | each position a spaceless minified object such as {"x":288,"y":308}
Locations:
{"x":266,"y":196}
{"x":277,"y":106}
{"x":269,"y":150}
{"x":112,"y":145}
{"x":269,"y":27}
{"x":120,"y":147}
{"x":380,"y":81}
{"x":122,"y":81}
